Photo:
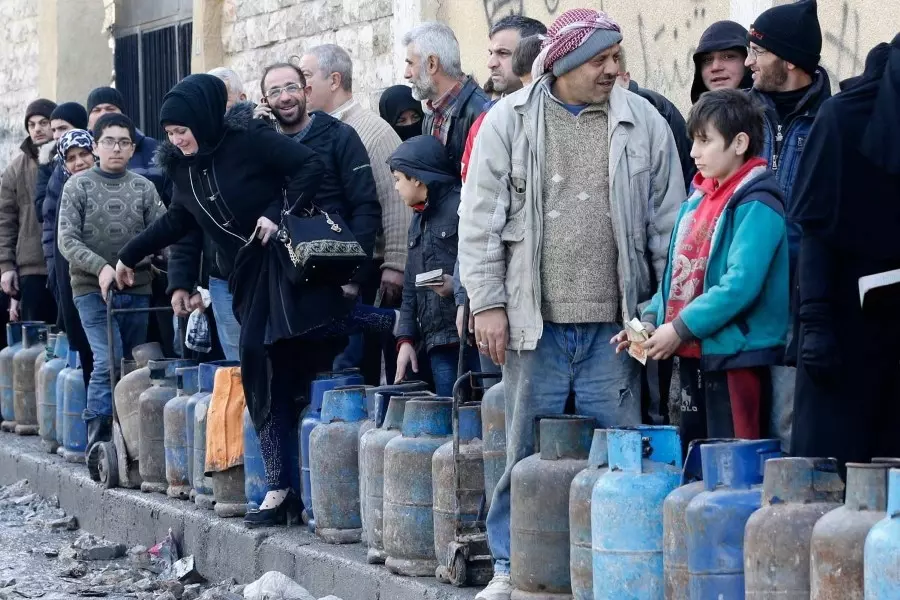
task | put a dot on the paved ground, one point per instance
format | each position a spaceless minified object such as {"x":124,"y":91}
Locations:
{"x":222,"y":548}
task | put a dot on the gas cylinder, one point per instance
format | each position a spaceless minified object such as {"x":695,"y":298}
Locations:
{"x":716,"y":517}
{"x":493,"y":424}
{"x":627,"y":512}
{"x":838,"y":539}
{"x":7,"y":404}
{"x":371,"y":449}
{"x":48,"y":345}
{"x":134,"y":382}
{"x":175,"y":434}
{"x":24,"y":398}
{"x":882,"y":548}
{"x":675,"y":555}
{"x":230,"y":499}
{"x":408,"y":498}
{"x":375,"y":409}
{"x":466,"y":497}
{"x":197,"y":406}
{"x":581,"y":568}
{"x":334,"y":466}
{"x":539,"y":512}
{"x":152,"y":402}
{"x":74,"y":395}
{"x":796,"y":493}
{"x":61,"y":403}
{"x":46,"y":392}
{"x":323,"y":383}
{"x":255,"y":486}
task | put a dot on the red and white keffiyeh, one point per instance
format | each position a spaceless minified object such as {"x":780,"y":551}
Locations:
{"x":567,"y":33}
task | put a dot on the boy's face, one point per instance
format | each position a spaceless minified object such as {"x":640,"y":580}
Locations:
{"x":100,"y":110}
{"x":411,"y":190}
{"x":79,"y":159}
{"x":115,"y":148}
{"x":59,"y":127}
{"x":715,"y":159}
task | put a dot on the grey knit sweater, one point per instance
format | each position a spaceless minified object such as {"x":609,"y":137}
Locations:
{"x":579,"y":257}
{"x":99,"y":213}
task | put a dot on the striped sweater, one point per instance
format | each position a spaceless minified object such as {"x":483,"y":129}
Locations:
{"x":380,"y":142}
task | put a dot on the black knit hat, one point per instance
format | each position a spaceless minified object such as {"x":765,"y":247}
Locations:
{"x":792,"y":33}
{"x":105,"y":95}
{"x":42,"y":107}
{"x":72,"y":113}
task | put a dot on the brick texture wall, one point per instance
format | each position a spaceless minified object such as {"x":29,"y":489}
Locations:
{"x":18,"y":72}
{"x":260,"y":32}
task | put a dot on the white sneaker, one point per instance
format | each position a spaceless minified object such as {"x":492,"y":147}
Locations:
{"x":498,"y":589}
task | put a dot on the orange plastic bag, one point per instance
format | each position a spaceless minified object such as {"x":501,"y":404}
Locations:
{"x":225,"y":422}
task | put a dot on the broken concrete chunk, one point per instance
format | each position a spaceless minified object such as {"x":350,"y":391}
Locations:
{"x":276,"y":585}
{"x":74,"y":570}
{"x":89,"y":547}
{"x":146,"y":585}
{"x":67,"y":523}
{"x":185,"y":571}
{"x":27,"y":499}
{"x":191,"y":592}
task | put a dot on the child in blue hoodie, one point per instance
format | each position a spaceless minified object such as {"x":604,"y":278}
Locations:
{"x":722,"y":306}
{"x":427,"y":182}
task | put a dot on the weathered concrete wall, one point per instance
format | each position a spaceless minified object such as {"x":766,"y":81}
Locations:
{"x":661,"y":35}
{"x":256,"y":33}
{"x":18,"y":71}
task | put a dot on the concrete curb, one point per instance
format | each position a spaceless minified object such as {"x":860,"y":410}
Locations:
{"x":222,"y":548}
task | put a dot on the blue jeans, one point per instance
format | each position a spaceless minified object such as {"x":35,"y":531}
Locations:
{"x":445,"y":364}
{"x":227,"y":327}
{"x":568,"y":359}
{"x":129,"y":330}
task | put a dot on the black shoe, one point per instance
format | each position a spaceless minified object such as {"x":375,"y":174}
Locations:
{"x":287,"y":513}
{"x":99,"y":429}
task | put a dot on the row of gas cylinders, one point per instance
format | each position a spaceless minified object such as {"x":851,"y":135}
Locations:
{"x":42,"y":388}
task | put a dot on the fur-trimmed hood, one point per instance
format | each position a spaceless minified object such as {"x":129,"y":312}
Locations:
{"x":47,"y":153}
{"x":238,"y":118}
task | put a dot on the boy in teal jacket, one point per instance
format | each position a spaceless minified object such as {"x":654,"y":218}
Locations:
{"x":722,"y":306}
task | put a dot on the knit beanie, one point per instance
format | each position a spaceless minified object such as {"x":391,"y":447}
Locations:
{"x":42,"y":107}
{"x":105,"y":95}
{"x":72,"y":113}
{"x":792,"y":33}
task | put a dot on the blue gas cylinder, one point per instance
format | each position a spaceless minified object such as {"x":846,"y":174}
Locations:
{"x":175,"y":434}
{"x":408,"y":490}
{"x":627,"y":512}
{"x":580,"y":561}
{"x":334,"y":466}
{"x":75,"y":402}
{"x":324,"y":382}
{"x":46,"y":393}
{"x":716,"y":517}
{"x":7,"y":403}
{"x":882,"y":550}
{"x":196,"y":409}
{"x":61,"y":401}
{"x":255,"y":486}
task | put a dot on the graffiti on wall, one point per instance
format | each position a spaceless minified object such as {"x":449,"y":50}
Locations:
{"x":844,"y":42}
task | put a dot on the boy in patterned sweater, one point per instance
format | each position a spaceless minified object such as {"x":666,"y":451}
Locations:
{"x":100,"y":211}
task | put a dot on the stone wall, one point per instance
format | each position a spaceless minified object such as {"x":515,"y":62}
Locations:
{"x":256,"y":33}
{"x":18,"y":71}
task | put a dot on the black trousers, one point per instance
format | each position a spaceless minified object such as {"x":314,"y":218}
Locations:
{"x":36,"y":302}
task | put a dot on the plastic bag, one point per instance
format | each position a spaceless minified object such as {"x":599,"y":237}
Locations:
{"x":198,"y":337}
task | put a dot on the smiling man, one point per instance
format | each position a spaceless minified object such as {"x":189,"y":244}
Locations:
{"x":719,"y":59}
{"x":21,"y":257}
{"x":785,"y":47}
{"x":561,"y":237}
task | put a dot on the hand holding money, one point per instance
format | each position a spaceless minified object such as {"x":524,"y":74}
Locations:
{"x":632,"y":337}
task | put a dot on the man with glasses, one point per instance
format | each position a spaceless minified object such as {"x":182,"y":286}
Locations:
{"x":785,"y":45}
{"x":347,"y":187}
{"x":101,"y":210}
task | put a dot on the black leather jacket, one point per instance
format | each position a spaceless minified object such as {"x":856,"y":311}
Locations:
{"x":469,"y":105}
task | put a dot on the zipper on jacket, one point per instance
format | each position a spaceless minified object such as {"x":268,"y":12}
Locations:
{"x":203,"y":208}
{"x":779,"y":140}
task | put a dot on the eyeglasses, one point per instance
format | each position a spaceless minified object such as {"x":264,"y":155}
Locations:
{"x":753,"y":53}
{"x":110,"y":143}
{"x":291,"y":88}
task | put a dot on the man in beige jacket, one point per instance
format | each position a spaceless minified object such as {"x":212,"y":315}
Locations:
{"x":24,"y":272}
{"x":565,"y":220}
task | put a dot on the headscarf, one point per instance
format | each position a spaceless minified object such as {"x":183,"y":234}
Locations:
{"x":568,"y":33}
{"x":197,"y":102}
{"x":396,"y":100}
{"x":74,"y":138}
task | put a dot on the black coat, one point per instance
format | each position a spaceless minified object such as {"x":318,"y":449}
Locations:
{"x":347,"y":186}
{"x":467,"y":108}
{"x":676,"y":123}
{"x":848,"y":204}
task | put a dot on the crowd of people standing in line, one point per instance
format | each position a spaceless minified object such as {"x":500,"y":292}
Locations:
{"x":736,"y":236}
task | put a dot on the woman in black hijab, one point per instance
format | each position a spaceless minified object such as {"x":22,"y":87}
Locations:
{"x":232,"y":176}
{"x":402,"y":112}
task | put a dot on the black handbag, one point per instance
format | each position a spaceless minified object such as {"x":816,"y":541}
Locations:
{"x":321,"y":248}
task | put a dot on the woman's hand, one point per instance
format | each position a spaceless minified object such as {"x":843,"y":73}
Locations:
{"x":265,"y":229}
{"x":124,"y":275}
{"x":406,"y":356}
